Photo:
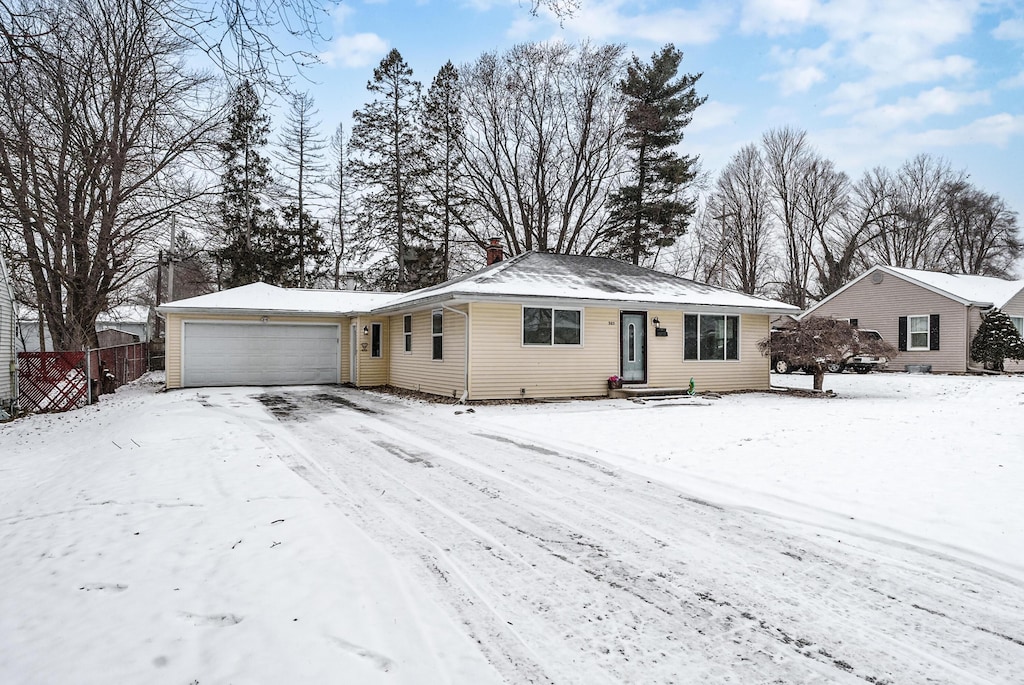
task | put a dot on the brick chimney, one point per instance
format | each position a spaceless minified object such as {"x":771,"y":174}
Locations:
{"x":495,"y":253}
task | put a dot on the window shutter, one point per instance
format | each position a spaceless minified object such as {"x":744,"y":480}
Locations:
{"x":903,"y":334}
{"x":933,"y":331}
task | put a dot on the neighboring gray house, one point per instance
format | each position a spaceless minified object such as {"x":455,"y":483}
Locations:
{"x":930,"y":317}
{"x":117,"y":326}
{"x":8,"y":335}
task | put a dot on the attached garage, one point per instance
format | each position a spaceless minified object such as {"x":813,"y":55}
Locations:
{"x":260,"y":334}
{"x":222,"y":353}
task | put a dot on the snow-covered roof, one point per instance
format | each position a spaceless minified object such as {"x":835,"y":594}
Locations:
{"x":575,"y":277}
{"x":125,"y":313}
{"x":985,"y":291}
{"x":968,"y":289}
{"x":261,"y":297}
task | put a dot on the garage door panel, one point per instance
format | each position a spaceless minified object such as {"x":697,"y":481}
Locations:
{"x":260,"y":354}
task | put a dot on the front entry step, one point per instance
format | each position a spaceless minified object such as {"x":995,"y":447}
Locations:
{"x":628,"y":392}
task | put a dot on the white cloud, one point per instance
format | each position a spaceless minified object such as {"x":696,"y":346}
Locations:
{"x":358,"y":50}
{"x":803,"y":68}
{"x":937,"y":101}
{"x":712,"y":115}
{"x":1010,"y":29}
{"x":1013,"y":82}
{"x":998,"y":129}
{"x":871,"y":45}
{"x":776,"y":17}
{"x":607,"y":20}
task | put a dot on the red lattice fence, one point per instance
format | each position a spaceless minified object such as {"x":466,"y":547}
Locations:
{"x":60,"y":381}
{"x":52,"y":381}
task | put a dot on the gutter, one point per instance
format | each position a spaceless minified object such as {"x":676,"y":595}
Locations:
{"x":465,"y":361}
{"x":463,"y":296}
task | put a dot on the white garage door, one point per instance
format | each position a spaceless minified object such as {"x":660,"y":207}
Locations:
{"x":259,"y":354}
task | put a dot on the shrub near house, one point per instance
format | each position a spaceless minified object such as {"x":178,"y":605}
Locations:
{"x":815,"y":343}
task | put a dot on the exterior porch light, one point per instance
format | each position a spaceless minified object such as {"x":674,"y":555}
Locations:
{"x":366,"y":330}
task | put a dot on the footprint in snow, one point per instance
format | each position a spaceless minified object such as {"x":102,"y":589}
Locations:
{"x":213,"y":619}
{"x":109,"y":587}
{"x":379,"y":660}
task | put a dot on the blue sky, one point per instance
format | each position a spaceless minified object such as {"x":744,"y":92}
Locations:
{"x":873,"y":82}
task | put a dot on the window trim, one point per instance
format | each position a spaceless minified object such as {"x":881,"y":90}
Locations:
{"x":376,"y":340}
{"x":1018,"y":323}
{"x":739,"y":336}
{"x":552,"y":309}
{"x":436,"y":351}
{"x":407,"y":333}
{"x":927,"y":332}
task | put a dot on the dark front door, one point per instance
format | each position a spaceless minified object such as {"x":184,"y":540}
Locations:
{"x":633,"y":344}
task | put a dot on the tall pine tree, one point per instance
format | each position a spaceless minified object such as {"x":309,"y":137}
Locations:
{"x":301,"y":151}
{"x":444,"y":126}
{"x":650,"y":211}
{"x":386,"y":135}
{"x":250,"y":242}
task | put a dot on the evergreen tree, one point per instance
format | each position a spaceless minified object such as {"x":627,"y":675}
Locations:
{"x":302,"y":148}
{"x":996,"y":340}
{"x":650,"y":211}
{"x":303,"y":251}
{"x":387,"y":136}
{"x":250,"y":240}
{"x":444,"y":126}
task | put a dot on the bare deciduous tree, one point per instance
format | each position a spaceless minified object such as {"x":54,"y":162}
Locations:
{"x":543,"y":143}
{"x":742,"y":206}
{"x":99,"y":118}
{"x":787,"y":155}
{"x":984,"y":237}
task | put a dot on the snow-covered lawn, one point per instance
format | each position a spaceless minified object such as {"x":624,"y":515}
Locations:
{"x":315,"y":535}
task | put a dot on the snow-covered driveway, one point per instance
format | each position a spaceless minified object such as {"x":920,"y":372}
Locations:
{"x":565,"y":569}
{"x":323,"y":534}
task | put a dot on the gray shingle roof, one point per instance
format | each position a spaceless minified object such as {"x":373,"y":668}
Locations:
{"x":576,"y":277}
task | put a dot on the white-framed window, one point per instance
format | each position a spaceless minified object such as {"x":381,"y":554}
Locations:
{"x":407,"y":332}
{"x":711,"y":337}
{"x":376,"y":340}
{"x":918,"y":332}
{"x":1018,"y":323}
{"x":437,"y":334}
{"x":552,"y":326}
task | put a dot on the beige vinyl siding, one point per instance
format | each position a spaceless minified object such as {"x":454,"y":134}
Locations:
{"x":666,"y":368}
{"x":417,"y":370}
{"x":501,"y":367}
{"x":880,"y":306}
{"x":173,"y":350}
{"x":371,"y":371}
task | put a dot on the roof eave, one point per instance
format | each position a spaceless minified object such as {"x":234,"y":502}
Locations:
{"x":462,"y":297}
{"x":247,"y":311}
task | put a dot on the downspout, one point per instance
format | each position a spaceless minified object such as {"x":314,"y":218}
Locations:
{"x":465,"y":361}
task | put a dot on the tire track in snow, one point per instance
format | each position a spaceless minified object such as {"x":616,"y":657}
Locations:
{"x":598,"y":533}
